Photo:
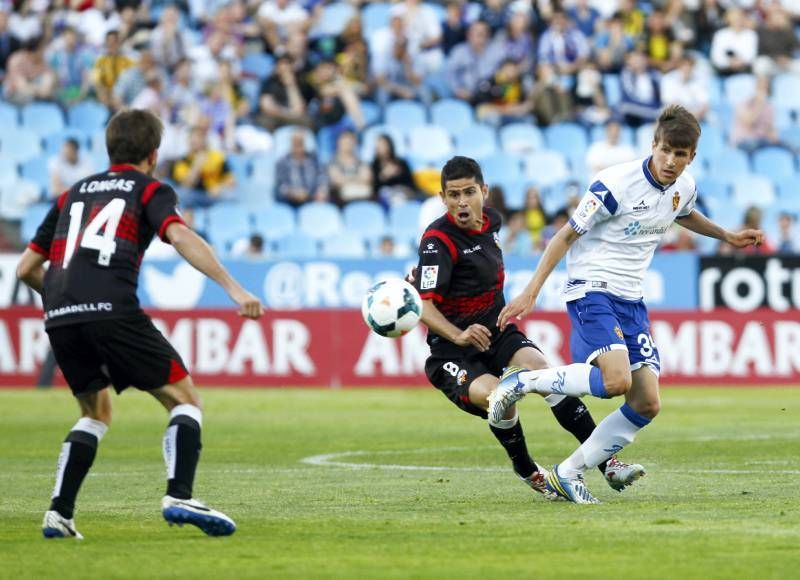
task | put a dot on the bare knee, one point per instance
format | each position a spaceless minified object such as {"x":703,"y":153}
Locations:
{"x":96,"y":406}
{"x":617,"y":382}
{"x":647,"y":408}
{"x":181,"y":393}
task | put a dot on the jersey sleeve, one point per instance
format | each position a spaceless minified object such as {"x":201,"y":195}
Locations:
{"x":688,"y":207}
{"x":597,"y":205}
{"x":435,"y":266}
{"x":44,"y":235}
{"x":161,"y":207}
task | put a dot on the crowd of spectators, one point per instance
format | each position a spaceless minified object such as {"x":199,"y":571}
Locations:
{"x":224,"y":75}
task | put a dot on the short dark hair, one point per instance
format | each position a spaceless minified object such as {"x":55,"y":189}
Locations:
{"x":460,"y":167}
{"x":132,"y":135}
{"x":677,"y":127}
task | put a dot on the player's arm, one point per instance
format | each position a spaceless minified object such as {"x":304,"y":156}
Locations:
{"x":476,"y":335}
{"x":30,"y":269}
{"x":700,"y":224}
{"x":200,"y":255}
{"x":520,"y":306}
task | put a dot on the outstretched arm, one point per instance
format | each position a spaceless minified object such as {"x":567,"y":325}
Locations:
{"x":200,"y":255}
{"x":555,"y":251}
{"x":30,"y":269}
{"x":700,"y":224}
{"x":476,"y":335}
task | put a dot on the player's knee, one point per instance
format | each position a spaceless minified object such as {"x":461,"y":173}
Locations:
{"x":100,"y":414}
{"x":617,"y":382}
{"x":648,"y":408}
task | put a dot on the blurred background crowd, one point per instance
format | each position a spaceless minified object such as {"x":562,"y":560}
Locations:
{"x":299,"y":129}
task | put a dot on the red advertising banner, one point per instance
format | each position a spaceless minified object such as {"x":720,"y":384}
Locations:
{"x":334,"y":348}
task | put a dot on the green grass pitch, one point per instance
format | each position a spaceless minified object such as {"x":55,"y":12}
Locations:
{"x":720,"y":499}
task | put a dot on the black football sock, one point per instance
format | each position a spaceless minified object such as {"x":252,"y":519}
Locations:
{"x":513,"y":441}
{"x":77,"y":455}
{"x":573,"y":416}
{"x":182,"y":450}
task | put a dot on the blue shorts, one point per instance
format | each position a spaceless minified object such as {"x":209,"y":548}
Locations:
{"x":602,"y":322}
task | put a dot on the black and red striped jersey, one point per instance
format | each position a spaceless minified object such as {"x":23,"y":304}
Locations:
{"x":462,"y":272}
{"x":95,"y":236}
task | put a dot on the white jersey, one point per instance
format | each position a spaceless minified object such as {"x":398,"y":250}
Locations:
{"x":621,"y":219}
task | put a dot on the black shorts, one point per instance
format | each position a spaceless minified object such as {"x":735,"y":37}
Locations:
{"x":125,"y":352}
{"x":454,"y":375}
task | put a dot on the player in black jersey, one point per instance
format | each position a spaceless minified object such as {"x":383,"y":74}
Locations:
{"x":94,"y":237}
{"x":460,"y":278}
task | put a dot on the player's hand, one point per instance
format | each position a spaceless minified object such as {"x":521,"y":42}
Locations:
{"x":412,"y":275}
{"x":746,"y":238}
{"x":249,"y":305}
{"x":515,"y":310}
{"x":476,"y":335}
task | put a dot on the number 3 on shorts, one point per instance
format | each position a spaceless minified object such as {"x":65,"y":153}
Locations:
{"x":648,"y":345}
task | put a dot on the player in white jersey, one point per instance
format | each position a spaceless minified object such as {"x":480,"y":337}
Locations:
{"x":609,"y":243}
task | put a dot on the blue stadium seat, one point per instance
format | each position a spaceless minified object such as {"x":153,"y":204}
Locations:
{"x":520,"y":138}
{"x":753,"y":190}
{"x":344,"y":245}
{"x":522,"y":245}
{"x":453,"y":114}
{"x":570,"y":140}
{"x":430,"y":143}
{"x":716,"y":188}
{"x":715,"y":91}
{"x":34,"y":216}
{"x":9,"y":115}
{"x":333,"y":20}
{"x":227,"y":221}
{"x":319,"y":220}
{"x":20,"y":145}
{"x":371,"y":134}
{"x":786,"y":91}
{"x":8,"y":170}
{"x":546,"y":167}
{"x":712,"y":141}
{"x":612,"y":89}
{"x":500,"y":167}
{"x":404,"y":221}
{"x":262,"y":169}
{"x":297,"y":246}
{"x":35,"y":169}
{"x":598,"y":133}
{"x":405,"y":114}
{"x":730,"y":162}
{"x":775,"y":163}
{"x":283,"y":139}
{"x":478,"y":141}
{"x":788,"y":189}
{"x":514,"y":191}
{"x":739,"y":88}
{"x":374,"y":16}
{"x":274,"y":221}
{"x":88,"y":116}
{"x":365,"y":218}
{"x":16,"y":197}
{"x":42,"y":118}
{"x":257,"y":65}
{"x":371,"y":111}
{"x":326,"y":143}
{"x":644,"y":138}
{"x":790,"y":136}
{"x":53,"y":142}
{"x":728,"y":215}
{"x":240,"y":166}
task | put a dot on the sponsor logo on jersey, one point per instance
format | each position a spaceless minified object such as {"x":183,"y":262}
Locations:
{"x":78,"y":309}
{"x":588,"y":208}
{"x":676,"y":200}
{"x":471,"y":250}
{"x":641,"y":207}
{"x":430,"y":276}
{"x":430,"y":249}
{"x":635,"y":229}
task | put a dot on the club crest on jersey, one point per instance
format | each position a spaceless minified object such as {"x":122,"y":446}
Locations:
{"x":618,"y":332}
{"x":496,"y":237}
{"x":461,"y":378}
{"x":676,"y":200}
{"x":430,"y":275}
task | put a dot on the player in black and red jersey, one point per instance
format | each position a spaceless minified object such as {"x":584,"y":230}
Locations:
{"x":460,"y":278}
{"x":94,"y":238}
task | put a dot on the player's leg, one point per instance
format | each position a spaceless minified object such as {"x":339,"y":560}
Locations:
{"x":80,"y":365}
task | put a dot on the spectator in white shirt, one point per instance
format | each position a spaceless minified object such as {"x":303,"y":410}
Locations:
{"x":68,"y":167}
{"x":610,"y":151}
{"x":280,"y":17}
{"x":685,"y":86}
{"x":735,"y":47}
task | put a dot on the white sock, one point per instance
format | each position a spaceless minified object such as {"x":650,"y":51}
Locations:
{"x":609,"y":437}
{"x":575,"y":380}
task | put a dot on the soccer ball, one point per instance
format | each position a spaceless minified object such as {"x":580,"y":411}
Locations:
{"x":391,"y":307}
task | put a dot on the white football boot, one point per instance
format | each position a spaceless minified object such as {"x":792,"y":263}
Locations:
{"x":190,"y":511}
{"x":509,"y":390}
{"x":57,"y":526}
{"x":570,"y":488}
{"x":620,"y":475}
